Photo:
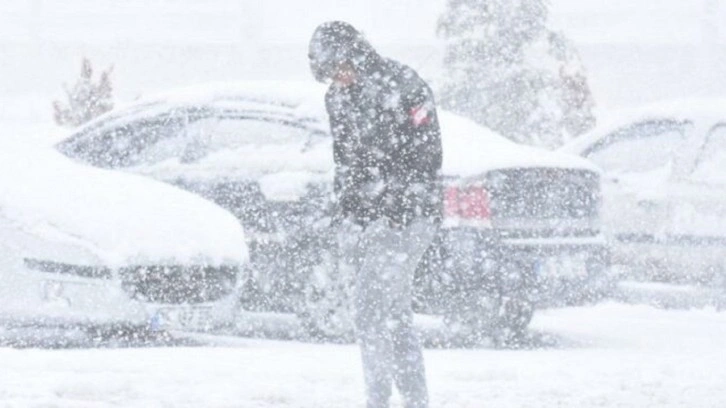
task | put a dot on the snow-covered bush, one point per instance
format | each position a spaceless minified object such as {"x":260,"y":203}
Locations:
{"x":86,"y":99}
{"x":505,"y":69}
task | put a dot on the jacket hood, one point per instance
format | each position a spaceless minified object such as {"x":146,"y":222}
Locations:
{"x":336,"y":42}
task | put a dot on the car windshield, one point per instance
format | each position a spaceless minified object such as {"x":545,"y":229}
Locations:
{"x":639,"y":148}
{"x":117,"y":143}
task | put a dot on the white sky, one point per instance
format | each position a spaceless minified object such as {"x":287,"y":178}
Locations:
{"x":635,"y":51}
{"x":660,"y":21}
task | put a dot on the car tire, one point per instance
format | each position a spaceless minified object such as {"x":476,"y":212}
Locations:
{"x":515,"y":314}
{"x":472,"y":319}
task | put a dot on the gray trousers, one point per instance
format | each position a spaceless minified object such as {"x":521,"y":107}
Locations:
{"x":383,"y":262}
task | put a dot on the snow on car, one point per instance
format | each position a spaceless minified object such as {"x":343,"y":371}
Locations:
{"x":515,"y":217}
{"x":664,"y":189}
{"x":82,"y":245}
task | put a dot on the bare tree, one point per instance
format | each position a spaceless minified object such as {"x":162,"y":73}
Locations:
{"x":86,"y":99}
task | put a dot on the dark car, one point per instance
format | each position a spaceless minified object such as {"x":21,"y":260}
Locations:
{"x":521,"y":224}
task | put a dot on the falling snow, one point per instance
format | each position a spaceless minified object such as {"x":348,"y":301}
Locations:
{"x":176,"y":226}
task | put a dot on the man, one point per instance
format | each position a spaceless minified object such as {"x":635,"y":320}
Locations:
{"x":387,"y":151}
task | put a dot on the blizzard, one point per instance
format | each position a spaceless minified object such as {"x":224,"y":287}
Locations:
{"x":631,"y":352}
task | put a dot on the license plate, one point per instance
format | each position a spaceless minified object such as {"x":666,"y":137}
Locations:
{"x":562,"y":266}
{"x":189,"y":318}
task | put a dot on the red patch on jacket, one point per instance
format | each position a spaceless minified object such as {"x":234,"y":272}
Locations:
{"x":420,"y":116}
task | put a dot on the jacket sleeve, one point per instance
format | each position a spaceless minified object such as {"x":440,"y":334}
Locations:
{"x":421,"y":149}
{"x":418,"y":156}
{"x":348,"y":173}
{"x":340,"y":130}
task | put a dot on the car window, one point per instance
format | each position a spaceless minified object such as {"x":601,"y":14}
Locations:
{"x":206,"y":135}
{"x":187,"y":134}
{"x":711,"y":165}
{"x":120,"y":145}
{"x":174,"y":142}
{"x":230,"y":133}
{"x":639,"y":148}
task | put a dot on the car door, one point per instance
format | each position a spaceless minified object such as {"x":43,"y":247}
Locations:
{"x":240,"y":159}
{"x":698,"y":222}
{"x":638,"y":161}
{"x":273,"y":173}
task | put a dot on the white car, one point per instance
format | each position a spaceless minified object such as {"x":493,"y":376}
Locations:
{"x":664,"y":188}
{"x":82,"y":245}
{"x":514,"y":215}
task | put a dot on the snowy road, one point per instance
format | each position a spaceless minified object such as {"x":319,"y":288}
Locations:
{"x":610,"y":355}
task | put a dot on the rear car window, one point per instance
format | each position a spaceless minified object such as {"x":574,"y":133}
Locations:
{"x":641,"y":147}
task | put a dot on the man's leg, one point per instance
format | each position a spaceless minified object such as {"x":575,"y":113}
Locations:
{"x":384,"y":315}
{"x":372,"y":306}
{"x":409,"y":372}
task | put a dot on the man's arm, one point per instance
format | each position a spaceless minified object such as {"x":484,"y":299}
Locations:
{"x":417,"y":157}
{"x":347,"y":173}
{"x":422,"y":151}
{"x":340,"y":129}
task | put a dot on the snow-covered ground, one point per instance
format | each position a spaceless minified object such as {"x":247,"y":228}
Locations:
{"x":608,"y":355}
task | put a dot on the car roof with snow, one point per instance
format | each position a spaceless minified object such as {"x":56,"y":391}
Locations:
{"x":118,"y":219}
{"x":301,"y":100}
{"x":469,"y":148}
{"x":701,"y":111}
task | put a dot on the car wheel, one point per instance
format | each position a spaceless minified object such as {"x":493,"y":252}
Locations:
{"x":515,"y":314}
{"x":501,"y":319}
{"x":501,"y":311}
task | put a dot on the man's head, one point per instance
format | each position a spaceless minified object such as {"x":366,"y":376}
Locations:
{"x":338,"y":52}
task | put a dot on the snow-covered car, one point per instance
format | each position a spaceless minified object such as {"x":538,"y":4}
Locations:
{"x":515,"y":215}
{"x":664,"y":188}
{"x":86,"y":246}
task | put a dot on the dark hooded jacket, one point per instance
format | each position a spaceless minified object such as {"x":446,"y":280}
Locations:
{"x":387,"y":144}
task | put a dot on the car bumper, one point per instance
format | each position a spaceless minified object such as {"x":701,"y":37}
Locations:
{"x":41,"y":298}
{"x":556,"y":268}
{"x":689,"y":262}
{"x":476,"y":247}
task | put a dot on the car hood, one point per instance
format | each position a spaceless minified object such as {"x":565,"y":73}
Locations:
{"x":116,"y":219}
